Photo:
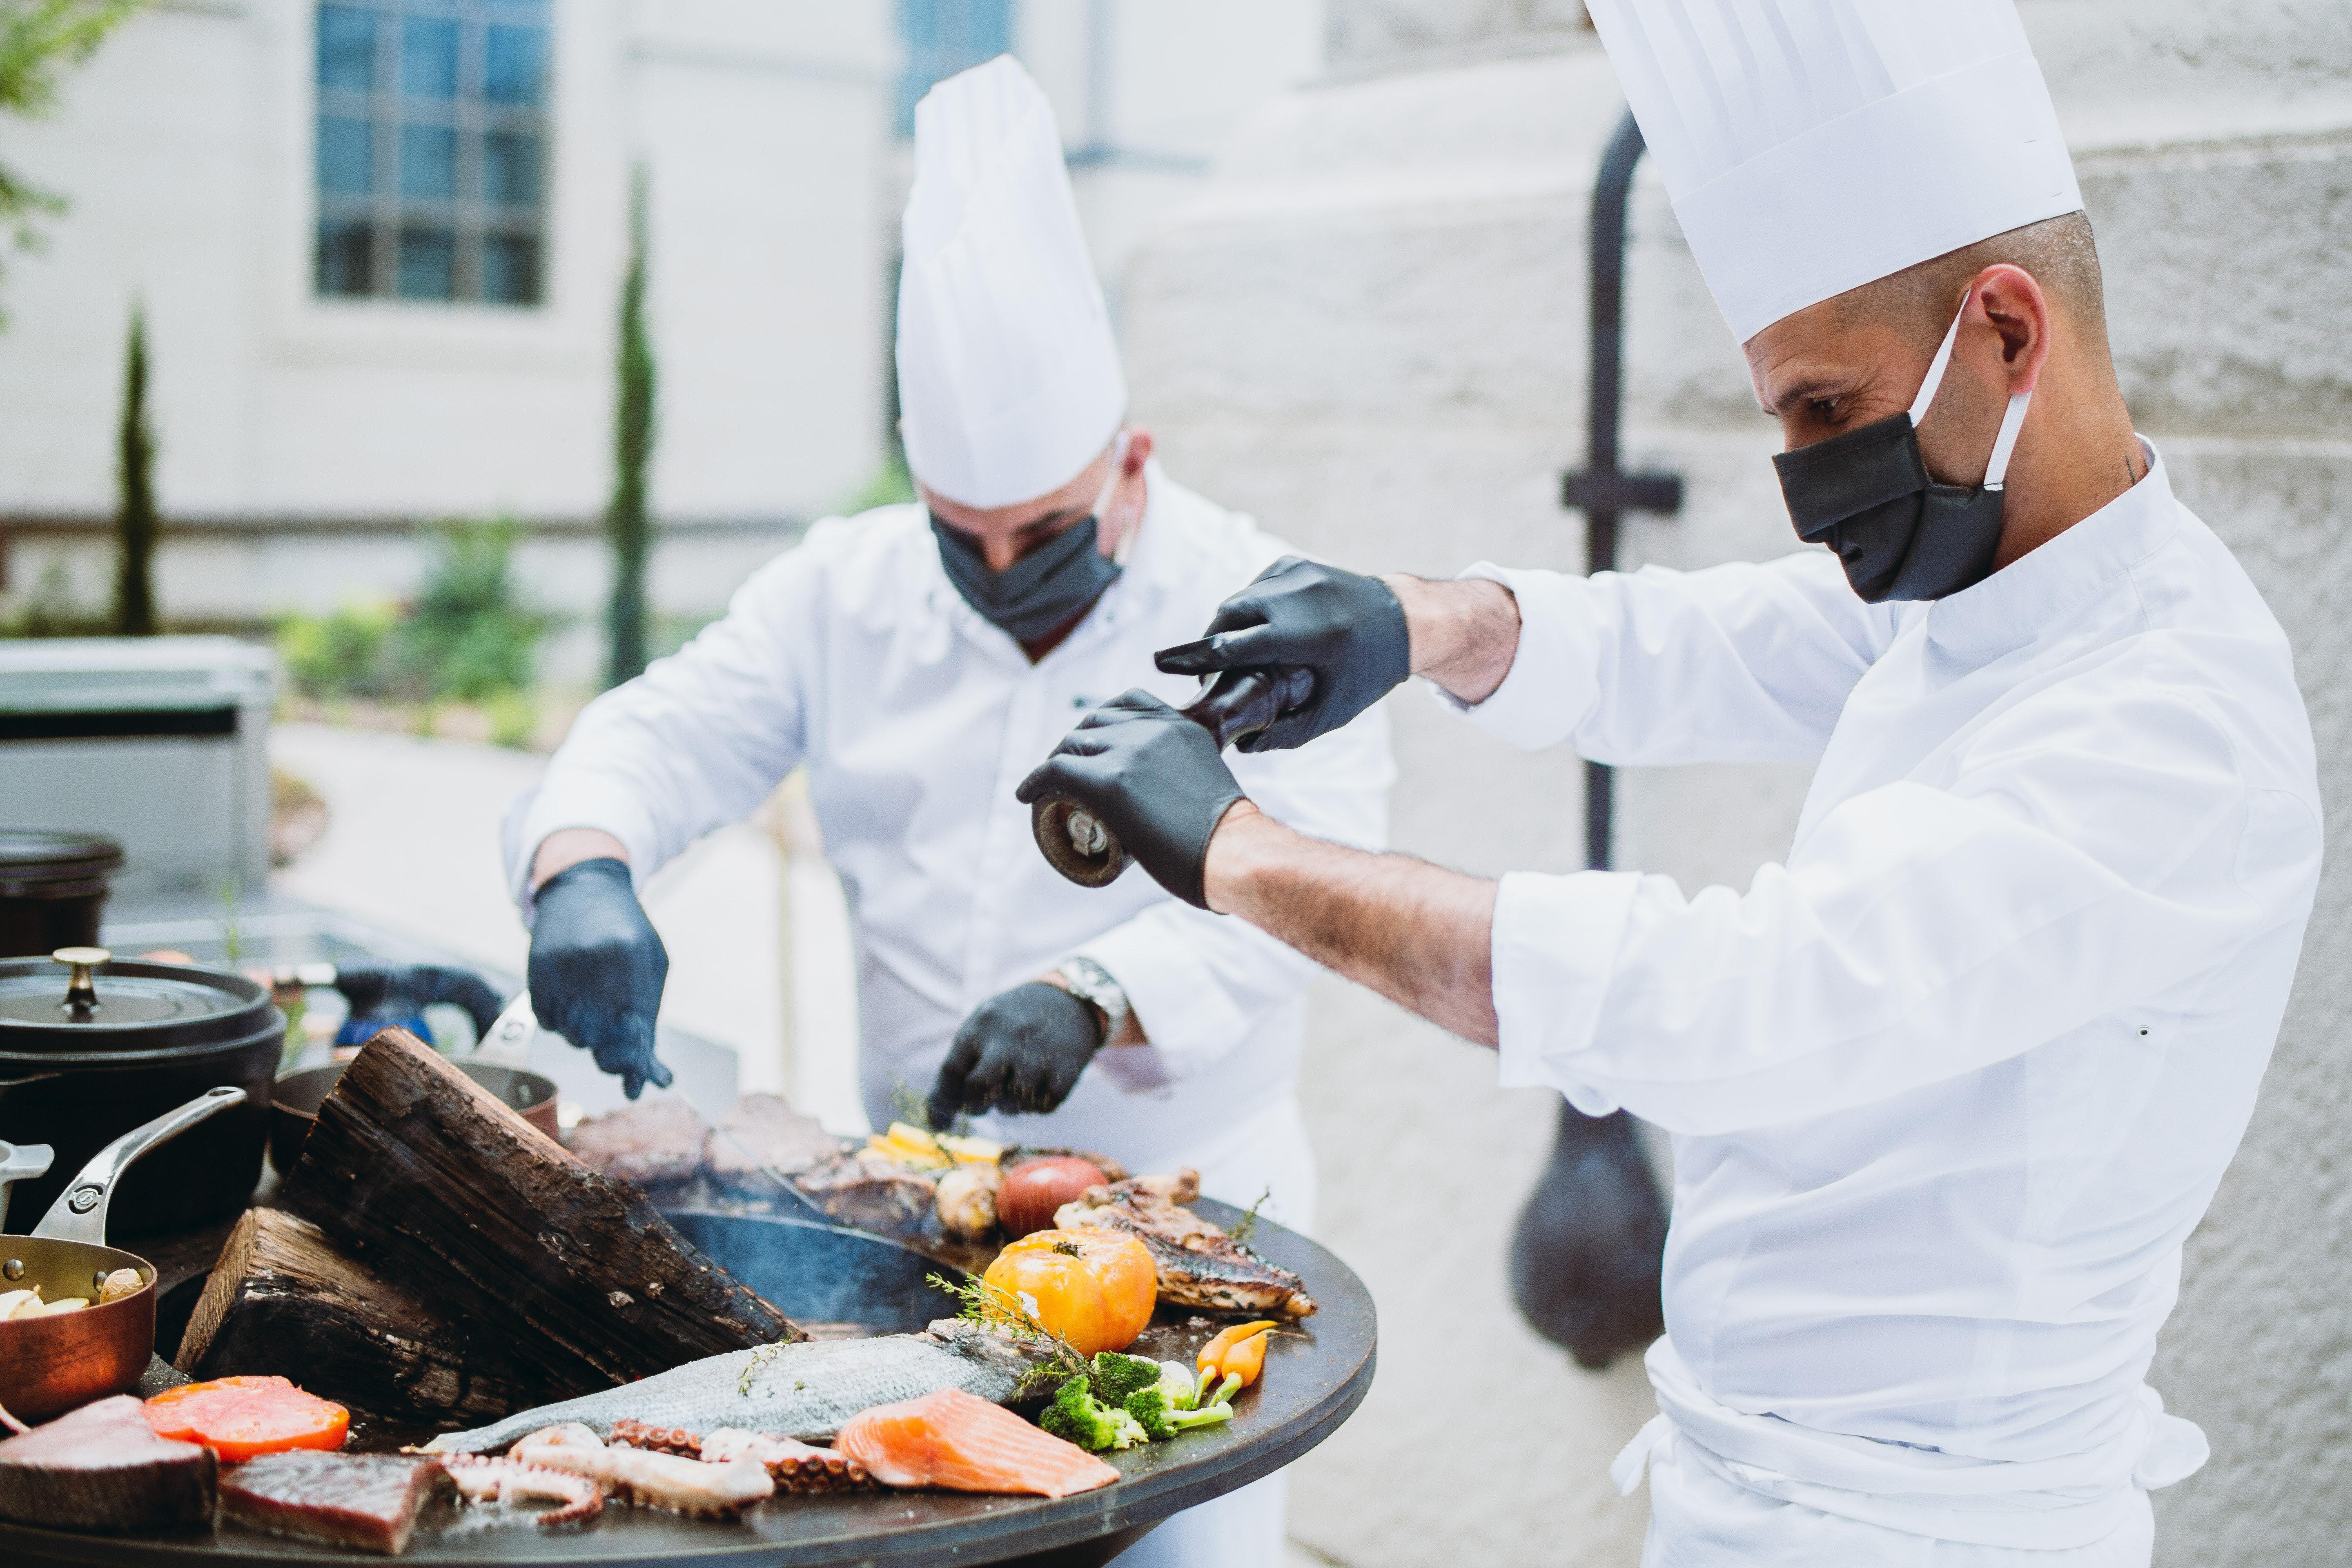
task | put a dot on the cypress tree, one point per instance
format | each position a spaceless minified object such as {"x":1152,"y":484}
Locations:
{"x":135,"y":517}
{"x":632,"y":446}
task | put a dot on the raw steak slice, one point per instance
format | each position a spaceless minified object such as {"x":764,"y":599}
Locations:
{"x":101,"y":1467}
{"x":369,"y":1502}
{"x":651,"y":1143}
{"x":762,"y":1134}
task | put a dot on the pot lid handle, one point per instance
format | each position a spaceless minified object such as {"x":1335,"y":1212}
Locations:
{"x":81,"y":996}
{"x":79,"y":1212}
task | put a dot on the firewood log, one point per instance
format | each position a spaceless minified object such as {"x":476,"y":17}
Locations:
{"x":283,"y":1300}
{"x":436,"y":1186}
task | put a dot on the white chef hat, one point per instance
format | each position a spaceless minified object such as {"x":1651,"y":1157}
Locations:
{"x":1009,"y":382}
{"x":1811,"y":146}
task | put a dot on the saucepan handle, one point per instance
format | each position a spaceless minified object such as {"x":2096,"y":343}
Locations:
{"x":79,"y":1212}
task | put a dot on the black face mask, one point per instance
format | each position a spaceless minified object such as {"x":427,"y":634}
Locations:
{"x":1900,"y":535}
{"x":1049,"y":586}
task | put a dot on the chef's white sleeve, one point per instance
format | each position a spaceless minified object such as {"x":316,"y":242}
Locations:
{"x":1201,"y":983}
{"x":2090,"y":850}
{"x":698,"y":741}
{"x":1739,"y":663}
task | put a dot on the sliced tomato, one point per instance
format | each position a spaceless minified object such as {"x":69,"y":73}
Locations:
{"x":239,"y":1417}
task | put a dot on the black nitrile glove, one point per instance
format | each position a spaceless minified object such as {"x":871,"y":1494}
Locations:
{"x":597,"y":968}
{"x":1300,"y":613}
{"x":1155,"y":778}
{"x":1021,"y":1050}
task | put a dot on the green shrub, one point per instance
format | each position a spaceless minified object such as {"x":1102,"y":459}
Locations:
{"x":466,"y":637}
{"x":469,"y":636}
{"x":342,"y":655}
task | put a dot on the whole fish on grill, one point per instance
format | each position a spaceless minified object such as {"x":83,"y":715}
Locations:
{"x":804,"y":1391}
{"x":1198,"y":1264}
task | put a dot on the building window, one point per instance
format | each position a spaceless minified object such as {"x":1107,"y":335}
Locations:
{"x":431,"y":150}
{"x":942,"y":38}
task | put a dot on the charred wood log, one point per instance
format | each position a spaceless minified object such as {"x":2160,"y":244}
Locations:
{"x":433,"y":1182}
{"x":282,"y":1300}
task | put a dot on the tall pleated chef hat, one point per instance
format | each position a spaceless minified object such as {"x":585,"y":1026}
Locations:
{"x":1009,"y":381}
{"x":1811,"y":146}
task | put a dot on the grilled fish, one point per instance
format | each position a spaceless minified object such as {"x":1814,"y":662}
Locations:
{"x":804,"y":1391}
{"x":1198,"y":1264}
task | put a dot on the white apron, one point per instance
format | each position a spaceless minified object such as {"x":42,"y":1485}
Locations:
{"x":1732,"y":1488}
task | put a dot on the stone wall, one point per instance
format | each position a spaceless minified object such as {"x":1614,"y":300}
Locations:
{"x":1371,"y":334}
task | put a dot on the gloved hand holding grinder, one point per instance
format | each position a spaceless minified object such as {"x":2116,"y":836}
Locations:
{"x":1156,"y":778}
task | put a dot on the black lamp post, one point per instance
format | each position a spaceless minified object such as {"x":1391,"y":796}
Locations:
{"x":1585,"y":1260}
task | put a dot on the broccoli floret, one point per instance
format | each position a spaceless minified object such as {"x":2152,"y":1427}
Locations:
{"x":1178,"y":1384}
{"x":1152,"y":1411}
{"x":1166,"y":1408}
{"x":1116,"y":1376}
{"x":1162,"y":1419}
{"x":1077,"y":1415}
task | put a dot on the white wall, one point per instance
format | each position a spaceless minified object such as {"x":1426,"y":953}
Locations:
{"x":1154,"y":91}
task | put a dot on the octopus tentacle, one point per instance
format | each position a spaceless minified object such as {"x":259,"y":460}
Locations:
{"x":794,"y":1466}
{"x":482,"y":1479}
{"x":628,"y":1433}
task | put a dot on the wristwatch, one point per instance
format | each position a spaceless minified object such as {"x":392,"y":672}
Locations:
{"x":1090,"y":982}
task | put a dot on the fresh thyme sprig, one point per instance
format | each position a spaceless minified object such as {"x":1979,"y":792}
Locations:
{"x":916,"y":1112}
{"x":760,"y":1359}
{"x":993,"y":1306}
{"x":1247,"y":1227}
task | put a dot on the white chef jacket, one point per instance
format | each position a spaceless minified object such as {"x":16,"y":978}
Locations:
{"x":1950,"y":1089}
{"x":916,"y":718}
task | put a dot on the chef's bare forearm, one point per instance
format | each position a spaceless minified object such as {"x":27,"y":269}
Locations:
{"x":569,"y":845}
{"x":1465,"y":633}
{"x":1419,"y":935}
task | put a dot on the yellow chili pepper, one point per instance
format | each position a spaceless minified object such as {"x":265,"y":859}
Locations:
{"x":1237,"y":1356}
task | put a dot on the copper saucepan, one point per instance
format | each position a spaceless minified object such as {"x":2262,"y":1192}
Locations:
{"x":49,"y":1365}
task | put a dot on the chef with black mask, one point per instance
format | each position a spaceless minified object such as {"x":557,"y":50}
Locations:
{"x":1950,"y":1085}
{"x":917,"y":660}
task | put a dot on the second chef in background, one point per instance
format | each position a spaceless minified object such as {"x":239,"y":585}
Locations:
{"x":916,"y":659}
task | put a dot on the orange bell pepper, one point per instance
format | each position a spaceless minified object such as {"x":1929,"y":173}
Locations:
{"x":1237,"y":1356}
{"x":1094,"y":1287}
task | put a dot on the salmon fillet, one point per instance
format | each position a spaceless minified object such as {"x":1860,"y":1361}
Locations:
{"x":964,"y":1444}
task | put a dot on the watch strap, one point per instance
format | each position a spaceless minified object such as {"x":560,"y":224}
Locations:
{"x":1090,"y":982}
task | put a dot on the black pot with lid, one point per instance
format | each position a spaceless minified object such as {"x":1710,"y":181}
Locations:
{"x":92,"y":1047}
{"x":53,"y":887}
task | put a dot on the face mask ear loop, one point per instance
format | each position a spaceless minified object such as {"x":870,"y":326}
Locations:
{"x":1126,"y":545}
{"x":1936,"y":367}
{"x":2011,"y":421}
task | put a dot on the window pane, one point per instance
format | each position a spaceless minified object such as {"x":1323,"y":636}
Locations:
{"x":510,"y":169}
{"x":346,"y":156}
{"x":514,"y":65}
{"x":346,"y":48}
{"x":510,"y":268}
{"x":429,"y":161}
{"x":345,"y":252}
{"x":428,"y":58}
{"x":428,"y":264}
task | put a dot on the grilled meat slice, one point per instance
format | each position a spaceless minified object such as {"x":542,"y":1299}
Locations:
{"x":1198,"y":1264}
